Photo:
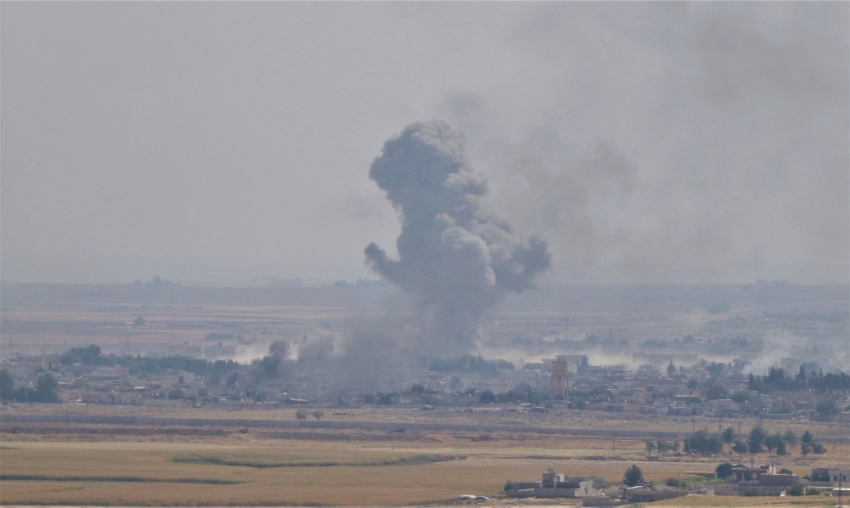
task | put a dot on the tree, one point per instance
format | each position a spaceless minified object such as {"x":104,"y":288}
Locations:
{"x":139,"y":321}
{"x":318,"y":414}
{"x":83,"y":355}
{"x":633,"y":476}
{"x":724,"y":471}
{"x":827,"y":407}
{"x":671,"y":369}
{"x":301,"y":414}
{"x":757,"y":435}
{"x":650,"y":446}
{"x":805,"y":448}
{"x":770,"y":442}
{"x":716,"y":392}
{"x":715,"y":369}
{"x":45,"y":389}
{"x":818,"y":448}
{"x":487,"y":397}
{"x":791,"y":438}
{"x":729,"y":435}
{"x":740,"y":447}
{"x":7,"y":386}
{"x":703,"y":442}
{"x":780,"y":447}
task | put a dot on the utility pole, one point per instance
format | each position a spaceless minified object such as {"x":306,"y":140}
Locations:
{"x":840,"y":477}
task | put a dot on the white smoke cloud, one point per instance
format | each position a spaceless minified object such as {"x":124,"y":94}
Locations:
{"x":775,"y":347}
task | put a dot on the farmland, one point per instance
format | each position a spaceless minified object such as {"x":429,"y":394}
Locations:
{"x":240,"y":465}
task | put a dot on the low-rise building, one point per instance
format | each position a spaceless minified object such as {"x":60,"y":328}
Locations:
{"x":557,"y":485}
{"x":742,"y":474}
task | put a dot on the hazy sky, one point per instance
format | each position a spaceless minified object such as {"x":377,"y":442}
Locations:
{"x":227,"y":142}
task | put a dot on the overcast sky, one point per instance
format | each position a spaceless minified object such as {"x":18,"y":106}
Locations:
{"x":230,"y":143}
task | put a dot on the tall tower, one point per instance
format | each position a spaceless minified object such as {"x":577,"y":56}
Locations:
{"x":560,"y":378}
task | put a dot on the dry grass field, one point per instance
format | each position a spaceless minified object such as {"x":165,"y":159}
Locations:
{"x":252,"y":468}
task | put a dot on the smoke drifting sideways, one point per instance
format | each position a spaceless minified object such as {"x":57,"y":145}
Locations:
{"x":457,"y":260}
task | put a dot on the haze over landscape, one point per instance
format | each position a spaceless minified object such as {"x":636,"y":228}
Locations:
{"x":230,"y":143}
{"x":424,"y":253}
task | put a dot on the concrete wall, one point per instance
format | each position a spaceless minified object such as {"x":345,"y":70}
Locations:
{"x":647,"y":496}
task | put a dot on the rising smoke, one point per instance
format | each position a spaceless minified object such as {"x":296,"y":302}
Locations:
{"x":454,"y":258}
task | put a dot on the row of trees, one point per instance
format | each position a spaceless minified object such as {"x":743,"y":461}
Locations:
{"x":45,"y":389}
{"x":662,"y":446}
{"x":758,"y":440}
{"x":777,"y":380}
{"x":92,"y":356}
{"x":522,"y":392}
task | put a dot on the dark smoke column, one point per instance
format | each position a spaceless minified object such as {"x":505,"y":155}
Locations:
{"x":455,"y":258}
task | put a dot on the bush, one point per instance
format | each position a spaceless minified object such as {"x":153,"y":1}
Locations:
{"x":741,"y":396}
{"x":795,"y":490}
{"x":301,"y":414}
{"x":821,"y":476}
{"x":509,"y":485}
{"x":827,"y":408}
{"x":386,"y":399}
{"x":716,"y":392}
{"x":724,"y":471}
{"x":750,"y":492}
{"x":674,"y":482}
{"x":811,"y":491}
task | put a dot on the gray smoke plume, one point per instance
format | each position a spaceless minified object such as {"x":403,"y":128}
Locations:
{"x":457,"y":260}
